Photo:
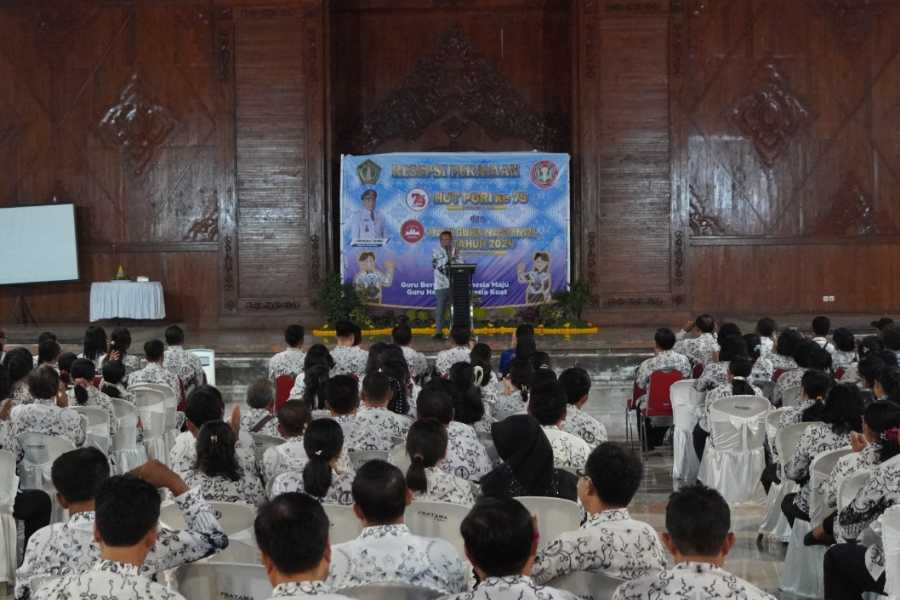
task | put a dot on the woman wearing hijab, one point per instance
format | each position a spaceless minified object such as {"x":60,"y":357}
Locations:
{"x":527,"y":467}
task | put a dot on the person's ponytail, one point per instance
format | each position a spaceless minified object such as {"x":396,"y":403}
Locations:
{"x":426,"y":445}
{"x":82,"y":368}
{"x":322,"y":442}
{"x":740,"y":368}
{"x":416,"y":479}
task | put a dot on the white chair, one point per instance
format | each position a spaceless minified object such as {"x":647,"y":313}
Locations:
{"x":128,"y":453}
{"x":153,"y":418}
{"x":9,"y":484}
{"x":389,"y":591}
{"x":208,"y":362}
{"x":40,"y":452}
{"x":361,"y":457}
{"x":345,"y":526}
{"x":438,"y":520}
{"x":587,"y":585}
{"x":775,"y":524}
{"x":685,"y":400}
{"x":262,"y":442}
{"x":399,"y":458}
{"x":150,"y":393}
{"x":850,"y":487}
{"x":215,"y":580}
{"x":819,"y":472}
{"x":791,"y":396}
{"x":170,"y":403}
{"x":734,"y":458}
{"x":321,"y":413}
{"x":233,"y":517}
{"x":97,"y":427}
{"x":555,"y":516}
{"x":890,"y":536}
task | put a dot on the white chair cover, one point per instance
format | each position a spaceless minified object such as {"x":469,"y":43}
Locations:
{"x":803,"y":574}
{"x":34,"y":470}
{"x":125,"y":448}
{"x":791,"y":396}
{"x":262,"y":442}
{"x":389,"y":591}
{"x":399,"y":458}
{"x":345,"y":526}
{"x":215,"y":580}
{"x":555,"y":516}
{"x":587,"y":585}
{"x":153,"y":417}
{"x":819,"y":472}
{"x":685,"y":406}
{"x":321,"y":413}
{"x":9,"y":484}
{"x":235,"y":518}
{"x":734,"y":458}
{"x":122,"y":408}
{"x":437,"y":520}
{"x":775,"y":524}
{"x":850,"y":486}
{"x":207,"y":362}
{"x":359,"y":458}
{"x":890,"y":536}
{"x":97,"y":427}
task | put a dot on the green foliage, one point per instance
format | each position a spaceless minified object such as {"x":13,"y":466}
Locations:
{"x":573,"y":300}
{"x":340,"y":301}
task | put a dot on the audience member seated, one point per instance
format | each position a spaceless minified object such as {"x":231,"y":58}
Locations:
{"x":763,"y":370}
{"x":541,"y":360}
{"x":321,"y":477}
{"x":466,"y":457}
{"x":609,"y":541}
{"x":739,"y":369}
{"x":388,"y":360}
{"x":808,"y":356}
{"x":318,"y":366}
{"x":126,"y":529}
{"x":426,"y":446}
{"x":374,"y":426}
{"x":260,"y":418}
{"x":70,"y":548}
{"x":840,"y":417}
{"x":342,"y":400}
{"x":821,"y":327}
{"x":402,"y":337}
{"x":766,"y":329}
{"x":19,"y":364}
{"x":501,"y":539}
{"x":292,"y":534}
{"x":48,"y":353}
{"x":701,"y":349}
{"x":95,"y":345}
{"x":516,"y":384}
{"x":814,"y":387}
{"x":524,"y":331}
{"x":64,"y":364}
{"x":290,"y":360}
{"x":113,"y":382}
{"x":868,"y":346}
{"x":486,"y":378}
{"x":153,"y":371}
{"x":547,"y":403}
{"x":527,"y":468}
{"x":868,"y":371}
{"x":349,"y":358}
{"x":716,"y":373}
{"x":891,"y":337}
{"x":461,"y":338}
{"x":844,"y":353}
{"x":664,"y":359}
{"x":217,"y":471}
{"x":698,"y":535}
{"x":576,"y":385}
{"x":468,"y":396}
{"x":180,"y":362}
{"x":783,"y":356}
{"x":293,"y":419}
{"x":887,"y":386}
{"x":385,"y":551}
{"x":119,"y":344}
{"x":82,"y":374}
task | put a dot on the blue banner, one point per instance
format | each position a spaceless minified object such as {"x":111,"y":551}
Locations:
{"x":508,"y":213}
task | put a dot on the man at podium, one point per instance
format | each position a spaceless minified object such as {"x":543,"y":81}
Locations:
{"x":441,"y":259}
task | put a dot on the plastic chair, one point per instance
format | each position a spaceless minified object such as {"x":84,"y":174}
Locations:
{"x":438,"y":520}
{"x":153,"y":416}
{"x":389,"y":591}
{"x":819,"y":472}
{"x":149,"y":393}
{"x":283,"y":386}
{"x":40,"y":452}
{"x":658,"y":408}
{"x":399,"y":458}
{"x":776,"y":374}
{"x":214,"y":580}
{"x":734,"y":458}
{"x":122,"y":408}
{"x":97,"y":427}
{"x":890,"y":535}
{"x":345,"y":526}
{"x":361,"y":457}
{"x":587,"y":585}
{"x":775,"y":524}
{"x":207,"y":362}
{"x":125,"y":448}
{"x":555,"y":516}
{"x":685,"y":400}
{"x":262,"y":442}
{"x":9,"y":483}
{"x":850,"y":487}
{"x":791,"y":396}
{"x":232,"y":516}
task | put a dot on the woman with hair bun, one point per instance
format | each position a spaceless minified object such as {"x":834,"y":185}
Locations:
{"x":426,"y":445}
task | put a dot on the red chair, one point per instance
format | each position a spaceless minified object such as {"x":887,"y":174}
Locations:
{"x":698,"y":370}
{"x":658,"y":408}
{"x":839,"y":373}
{"x":777,"y":373}
{"x":283,"y":386}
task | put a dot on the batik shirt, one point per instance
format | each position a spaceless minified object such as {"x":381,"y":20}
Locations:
{"x":69,"y":548}
{"x":512,"y":587}
{"x":466,"y":456}
{"x":690,"y":581}
{"x":794,"y":414}
{"x":124,"y":394}
{"x":185,"y":365}
{"x":569,"y":451}
{"x":763,"y":370}
{"x":609,"y":542}
{"x":219,"y":488}
{"x":106,"y":579}
{"x":714,"y":375}
{"x":583,"y":425}
{"x":782,"y":362}
{"x":251,"y":417}
{"x":289,"y":456}
{"x":44,"y":416}
{"x":817,"y":438}
{"x":701,"y":349}
{"x":665,"y":360}
{"x":418,"y":364}
{"x":447,"y":358}
{"x":391,"y":554}
{"x":376,"y":428}
{"x":444,"y":487}
{"x":20,"y":392}
{"x":288,"y":362}
{"x":788,"y":379}
{"x":349,"y":360}
{"x":766,"y":346}
{"x":155,"y":373}
{"x":841,"y":359}
{"x":867,"y":458}
{"x":824,"y":344}
{"x":340,"y":491}
{"x":507,"y":405}
{"x":440,"y":263}
{"x":131,"y":363}
{"x":300,"y":590}
{"x":725,"y":390}
{"x":98,"y":399}
{"x":183,"y":455}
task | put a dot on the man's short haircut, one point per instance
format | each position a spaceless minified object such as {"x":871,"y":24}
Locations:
{"x":446,"y":232}
{"x":816,"y":384}
{"x":293,"y":417}
{"x":499,"y":534}
{"x":260,"y":394}
{"x":48,"y":350}
{"x":698,"y":520}
{"x":379,"y":490}
{"x":65,"y":360}
{"x":575,"y":383}
{"x":174,"y":335}
{"x":293,"y":335}
{"x":664,"y":338}
{"x":43,"y":382}
{"x":819,"y":359}
{"x":368,"y":192}
{"x":821,"y":325}
{"x":376,"y":387}
{"x":154,"y":350}
{"x":43,"y":337}
{"x":342,"y":393}
{"x":547,"y":403}
{"x":292,"y":530}
{"x":204,"y":404}
{"x":727,"y":330}
{"x":113,"y":371}
{"x":78,"y":474}
{"x":435,"y":403}
{"x":732,"y":347}
{"x":126,"y":509}
{"x":344,"y":329}
{"x":705,"y":323}
{"x":402,"y":334}
{"x":461,"y":335}
{"x":870,"y":368}
{"x":844,"y":340}
{"x":616,"y":473}
{"x":766,"y":327}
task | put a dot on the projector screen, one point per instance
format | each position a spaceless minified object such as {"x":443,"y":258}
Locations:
{"x":38,"y":244}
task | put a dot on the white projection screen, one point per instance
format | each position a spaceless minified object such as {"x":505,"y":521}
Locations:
{"x":38,"y":244}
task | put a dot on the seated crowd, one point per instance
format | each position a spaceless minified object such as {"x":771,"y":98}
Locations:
{"x":380,"y":429}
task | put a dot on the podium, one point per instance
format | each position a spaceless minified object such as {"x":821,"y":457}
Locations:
{"x":461,"y":294}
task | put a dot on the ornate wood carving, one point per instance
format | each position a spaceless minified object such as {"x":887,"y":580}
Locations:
{"x":700,"y":222}
{"x":455,"y":79}
{"x":678,"y":255}
{"x":770,"y":115}
{"x":852,"y":213}
{"x":206,"y":227}
{"x":229,"y":266}
{"x":137,"y":125}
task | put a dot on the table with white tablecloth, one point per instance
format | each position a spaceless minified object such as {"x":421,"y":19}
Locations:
{"x":127,"y":300}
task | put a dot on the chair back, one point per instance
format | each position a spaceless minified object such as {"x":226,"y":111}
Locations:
{"x":850,"y":486}
{"x":819,"y":472}
{"x":684,"y":405}
{"x":787,"y":440}
{"x":438,"y":520}
{"x":9,"y":482}
{"x":389,"y":591}
{"x":659,"y":402}
{"x":262,"y":442}
{"x":399,"y":458}
{"x":697,"y":371}
{"x":207,"y":362}
{"x":773,"y":421}
{"x":97,"y":426}
{"x":766,"y":387}
{"x":126,"y":436}
{"x":738,"y":422}
{"x":587,"y":585}
{"x":283,"y":386}
{"x":232,"y":516}
{"x":122,"y":408}
{"x":361,"y":457}
{"x":555,"y":516}
{"x":345,"y":526}
{"x":791,"y":396}
{"x":153,"y":418}
{"x":40,"y":452}
{"x":321,"y":413}
{"x":215,"y":580}
{"x":149,"y":393}
{"x":777,"y":373}
{"x":890,"y":535}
